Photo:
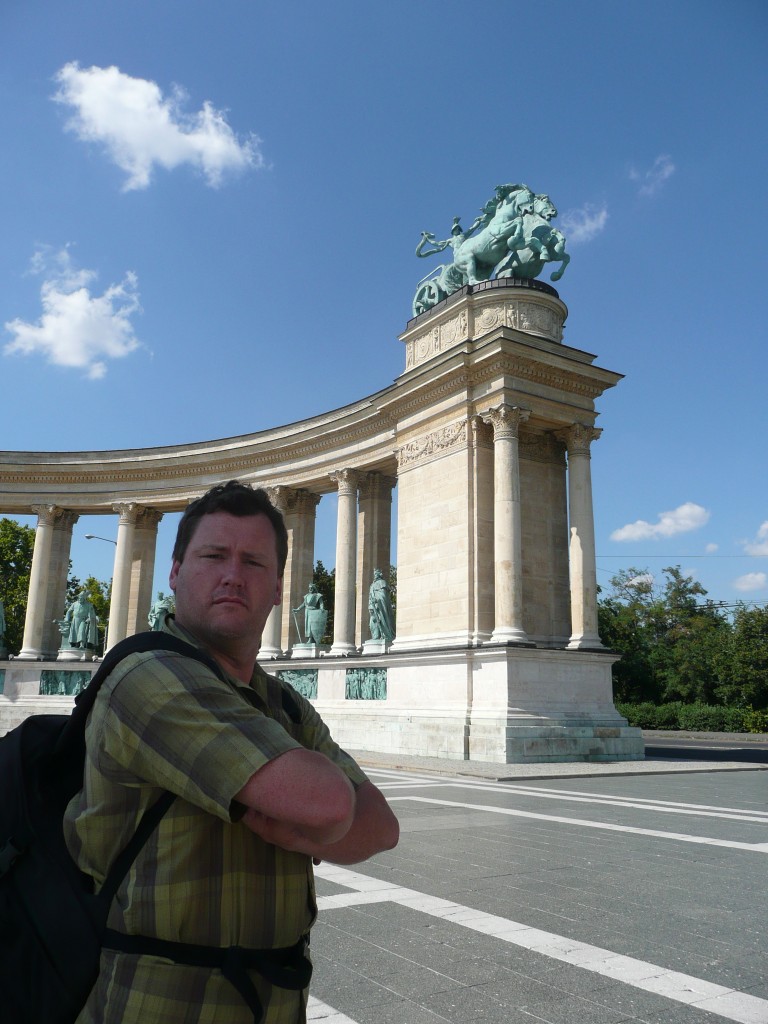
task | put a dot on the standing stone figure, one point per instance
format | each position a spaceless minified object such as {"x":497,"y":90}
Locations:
{"x":315,"y":616}
{"x":382,"y":617}
{"x":83,"y":625}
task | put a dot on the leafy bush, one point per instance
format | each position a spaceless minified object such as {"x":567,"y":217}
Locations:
{"x":710,"y":718}
{"x":755,"y":721}
{"x":640,"y":716}
{"x":695,"y":717}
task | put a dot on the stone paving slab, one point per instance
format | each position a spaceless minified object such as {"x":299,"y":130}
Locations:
{"x":551,"y":922}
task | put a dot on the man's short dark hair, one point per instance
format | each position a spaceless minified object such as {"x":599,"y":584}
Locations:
{"x":237,"y":499}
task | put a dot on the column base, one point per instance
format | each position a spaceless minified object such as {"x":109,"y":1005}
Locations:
{"x":342,"y":651}
{"x":30,"y":654}
{"x":269,"y":653}
{"x":586,"y":643}
{"x":510,"y":635}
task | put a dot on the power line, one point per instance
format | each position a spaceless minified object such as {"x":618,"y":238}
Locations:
{"x":679,"y":556}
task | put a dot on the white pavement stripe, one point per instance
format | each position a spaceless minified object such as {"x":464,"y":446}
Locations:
{"x":679,"y":837}
{"x":322,"y":1012}
{"x":534,"y":790}
{"x":575,"y":796}
{"x":682,"y":988}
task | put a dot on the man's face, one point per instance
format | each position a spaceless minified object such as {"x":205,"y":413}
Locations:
{"x":228,"y":582}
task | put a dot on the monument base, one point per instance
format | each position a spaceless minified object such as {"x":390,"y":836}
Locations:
{"x":508,"y":705}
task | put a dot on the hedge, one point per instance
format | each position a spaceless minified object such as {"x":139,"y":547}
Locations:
{"x":694,"y":717}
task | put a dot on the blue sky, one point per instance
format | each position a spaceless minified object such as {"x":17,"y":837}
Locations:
{"x":210,"y":212}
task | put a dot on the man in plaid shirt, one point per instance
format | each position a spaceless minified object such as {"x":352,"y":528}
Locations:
{"x":261,"y":789}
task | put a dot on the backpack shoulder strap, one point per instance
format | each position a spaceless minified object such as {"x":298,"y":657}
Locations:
{"x":147,"y":641}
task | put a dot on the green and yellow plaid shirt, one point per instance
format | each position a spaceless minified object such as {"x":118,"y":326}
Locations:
{"x":166,"y":722}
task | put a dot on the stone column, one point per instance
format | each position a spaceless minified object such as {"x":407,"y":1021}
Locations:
{"x":142,"y":570}
{"x":39,"y":583}
{"x":374,"y":541}
{"x":271,"y":638}
{"x":507,"y":529}
{"x":58,"y":571}
{"x":346,"y":536}
{"x":581,"y":550}
{"x":482,"y":526}
{"x":121,"y":577}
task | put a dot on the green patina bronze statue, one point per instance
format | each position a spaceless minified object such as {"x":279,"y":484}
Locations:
{"x":512,"y":237}
{"x":315,"y":617}
{"x":381,"y":615}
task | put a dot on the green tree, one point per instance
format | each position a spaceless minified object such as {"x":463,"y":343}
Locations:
{"x":17,"y":543}
{"x":393,"y":589}
{"x":625,"y":619}
{"x":668,"y":640}
{"x":743,"y":662}
{"x":688,"y":637}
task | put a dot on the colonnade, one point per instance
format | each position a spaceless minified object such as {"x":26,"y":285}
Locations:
{"x":363,"y":543}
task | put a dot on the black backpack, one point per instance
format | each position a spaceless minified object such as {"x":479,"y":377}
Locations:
{"x":51,"y":924}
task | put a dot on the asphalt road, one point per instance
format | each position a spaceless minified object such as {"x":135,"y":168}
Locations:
{"x":632,"y":899}
{"x":752,"y":750}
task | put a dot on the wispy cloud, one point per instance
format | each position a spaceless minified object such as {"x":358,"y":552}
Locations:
{"x":650,"y":181}
{"x":140,"y":128}
{"x":682,"y":519}
{"x":751,"y":581}
{"x":758,"y":546}
{"x":77,"y":329}
{"x":584,"y":224}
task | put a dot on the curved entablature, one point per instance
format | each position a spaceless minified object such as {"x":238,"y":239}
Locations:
{"x":301,"y":454}
{"x":501,"y":338}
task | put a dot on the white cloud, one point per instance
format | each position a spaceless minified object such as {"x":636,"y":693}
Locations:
{"x":140,"y":128}
{"x":652,"y":179}
{"x":644,"y":580}
{"x":584,"y":224}
{"x":758,"y":546}
{"x":77,"y":329}
{"x":711,"y":548}
{"x":682,"y":519}
{"x":752,"y":581}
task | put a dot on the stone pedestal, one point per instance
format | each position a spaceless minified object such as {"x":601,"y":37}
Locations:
{"x":309,"y":651}
{"x":375,"y":647}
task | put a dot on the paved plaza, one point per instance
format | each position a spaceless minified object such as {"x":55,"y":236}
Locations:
{"x":568,"y":894}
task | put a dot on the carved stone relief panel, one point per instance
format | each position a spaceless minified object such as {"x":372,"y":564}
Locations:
{"x":432,"y":446}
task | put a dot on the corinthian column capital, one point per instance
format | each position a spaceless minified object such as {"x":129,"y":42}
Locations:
{"x":345,"y":480}
{"x":148,"y":517}
{"x":128,"y":512}
{"x":578,"y":437}
{"x":47,"y":515}
{"x":506,"y":420}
